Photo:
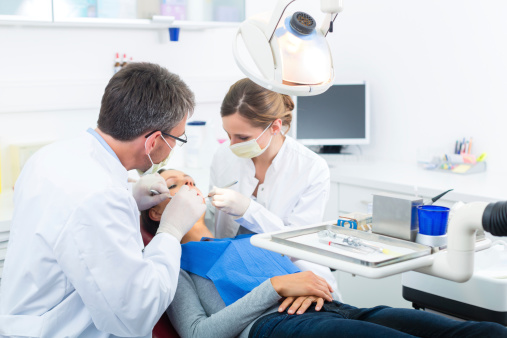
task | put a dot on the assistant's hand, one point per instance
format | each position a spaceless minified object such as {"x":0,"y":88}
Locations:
{"x":302,"y":284}
{"x":300,"y":304}
{"x":229,"y":201}
{"x":142,"y":194}
{"x":185,"y":208}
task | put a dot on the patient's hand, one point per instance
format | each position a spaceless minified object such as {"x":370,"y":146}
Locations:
{"x":302,"y":303}
{"x":302,"y":284}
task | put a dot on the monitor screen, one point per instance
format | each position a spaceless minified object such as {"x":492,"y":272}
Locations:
{"x":339,"y":116}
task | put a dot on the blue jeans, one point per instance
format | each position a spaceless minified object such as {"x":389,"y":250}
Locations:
{"x":341,"y":320}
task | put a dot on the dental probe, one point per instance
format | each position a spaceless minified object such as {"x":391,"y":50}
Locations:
{"x":228,"y":185}
{"x":154,"y":192}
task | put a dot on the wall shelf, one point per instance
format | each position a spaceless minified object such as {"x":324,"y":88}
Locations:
{"x":156,"y":23}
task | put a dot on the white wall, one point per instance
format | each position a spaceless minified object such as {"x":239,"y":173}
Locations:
{"x":437,"y":71}
{"x":52,"y":79}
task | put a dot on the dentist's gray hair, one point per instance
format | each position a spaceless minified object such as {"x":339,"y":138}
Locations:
{"x":143,"y":97}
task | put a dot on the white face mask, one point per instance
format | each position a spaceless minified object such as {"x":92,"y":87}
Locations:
{"x":156,"y":167}
{"x":250,"y":149}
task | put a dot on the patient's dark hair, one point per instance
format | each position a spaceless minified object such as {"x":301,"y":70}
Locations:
{"x":147,"y":223}
{"x":143,"y":97}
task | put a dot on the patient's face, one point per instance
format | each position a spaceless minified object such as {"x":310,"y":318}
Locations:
{"x":175,"y":179}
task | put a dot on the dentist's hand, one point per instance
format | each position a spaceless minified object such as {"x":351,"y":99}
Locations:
{"x":142,"y":194}
{"x":229,"y":201}
{"x":180,"y":215}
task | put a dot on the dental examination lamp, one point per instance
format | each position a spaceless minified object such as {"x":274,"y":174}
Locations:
{"x":291,"y":54}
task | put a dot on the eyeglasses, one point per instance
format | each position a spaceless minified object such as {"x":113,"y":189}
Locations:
{"x":180,"y":141}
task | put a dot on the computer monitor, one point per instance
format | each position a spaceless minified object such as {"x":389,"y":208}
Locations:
{"x":340,"y":116}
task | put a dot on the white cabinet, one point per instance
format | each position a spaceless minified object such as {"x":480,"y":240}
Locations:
{"x":138,"y":14}
{"x":364,"y":292}
{"x":352,"y":188}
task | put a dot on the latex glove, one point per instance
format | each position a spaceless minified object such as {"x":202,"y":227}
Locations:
{"x":229,"y":201}
{"x":142,"y":194}
{"x":180,"y":215}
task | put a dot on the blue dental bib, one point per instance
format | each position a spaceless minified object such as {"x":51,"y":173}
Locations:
{"x":234,"y":265}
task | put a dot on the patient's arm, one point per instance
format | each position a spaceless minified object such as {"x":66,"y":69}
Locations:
{"x":198,"y":231}
{"x":190,"y":319}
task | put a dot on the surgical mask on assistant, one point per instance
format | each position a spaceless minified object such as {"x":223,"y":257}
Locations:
{"x":156,"y":167}
{"x":250,"y":149}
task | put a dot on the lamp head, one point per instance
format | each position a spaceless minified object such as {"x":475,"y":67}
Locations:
{"x":291,"y":55}
{"x":301,"y":53}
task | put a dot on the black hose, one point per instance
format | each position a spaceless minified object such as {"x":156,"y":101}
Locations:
{"x":494,"y":219}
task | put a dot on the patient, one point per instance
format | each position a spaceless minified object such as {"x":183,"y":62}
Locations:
{"x":307,"y":309}
{"x":150,"y":218}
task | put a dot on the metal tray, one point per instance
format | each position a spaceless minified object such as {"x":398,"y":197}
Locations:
{"x":417,"y":250}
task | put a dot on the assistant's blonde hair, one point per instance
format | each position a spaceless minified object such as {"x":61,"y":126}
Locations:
{"x":257,"y":104}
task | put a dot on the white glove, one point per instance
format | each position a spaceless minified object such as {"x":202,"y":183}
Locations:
{"x":142,"y":194}
{"x":229,"y":201}
{"x":180,"y":215}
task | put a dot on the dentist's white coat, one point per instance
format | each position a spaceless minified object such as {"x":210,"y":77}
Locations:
{"x":294,"y":193}
{"x":75,"y":263}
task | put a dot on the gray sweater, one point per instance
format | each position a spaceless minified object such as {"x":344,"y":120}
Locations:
{"x":197,"y":309}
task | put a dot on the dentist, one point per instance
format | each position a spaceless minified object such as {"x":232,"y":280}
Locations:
{"x":76,"y":264}
{"x":281,"y":182}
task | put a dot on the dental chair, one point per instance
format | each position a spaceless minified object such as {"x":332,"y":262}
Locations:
{"x":163,"y":328}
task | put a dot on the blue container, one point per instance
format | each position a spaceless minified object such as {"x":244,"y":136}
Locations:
{"x":432,"y":220}
{"x":174,"y":33}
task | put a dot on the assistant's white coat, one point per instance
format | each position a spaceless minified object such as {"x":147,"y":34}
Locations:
{"x":294,"y":193}
{"x":75,"y":265}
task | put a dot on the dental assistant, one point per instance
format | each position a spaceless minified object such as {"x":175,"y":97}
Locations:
{"x":281,"y":182}
{"x":76,"y":264}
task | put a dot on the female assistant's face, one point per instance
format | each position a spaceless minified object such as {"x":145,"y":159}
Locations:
{"x":239,"y":129}
{"x":174,"y":179}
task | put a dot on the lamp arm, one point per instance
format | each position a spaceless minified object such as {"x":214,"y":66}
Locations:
{"x":326,"y":24}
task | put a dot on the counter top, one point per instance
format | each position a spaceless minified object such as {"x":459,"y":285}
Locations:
{"x":411,"y":179}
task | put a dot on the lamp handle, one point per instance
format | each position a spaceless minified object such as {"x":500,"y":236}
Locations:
{"x":276,"y":16}
{"x":271,"y":84}
{"x":243,"y":67}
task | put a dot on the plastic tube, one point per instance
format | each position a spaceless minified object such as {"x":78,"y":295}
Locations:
{"x":494,"y":219}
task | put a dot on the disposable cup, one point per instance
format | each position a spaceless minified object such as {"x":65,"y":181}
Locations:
{"x":432,"y":220}
{"x":174,"y":33}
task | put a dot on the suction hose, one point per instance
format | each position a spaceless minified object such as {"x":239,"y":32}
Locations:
{"x":494,"y":219}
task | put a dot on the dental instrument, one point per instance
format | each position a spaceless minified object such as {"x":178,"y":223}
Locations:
{"x":226,"y":186}
{"x":356,"y":242}
{"x":340,"y":245}
{"x":155,"y":192}
{"x":430,"y":201}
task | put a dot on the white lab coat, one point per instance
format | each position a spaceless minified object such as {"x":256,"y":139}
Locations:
{"x":294,"y":193}
{"x":76,"y":264}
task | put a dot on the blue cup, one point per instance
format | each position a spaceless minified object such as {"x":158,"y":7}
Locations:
{"x":174,"y":33}
{"x":432,"y":220}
